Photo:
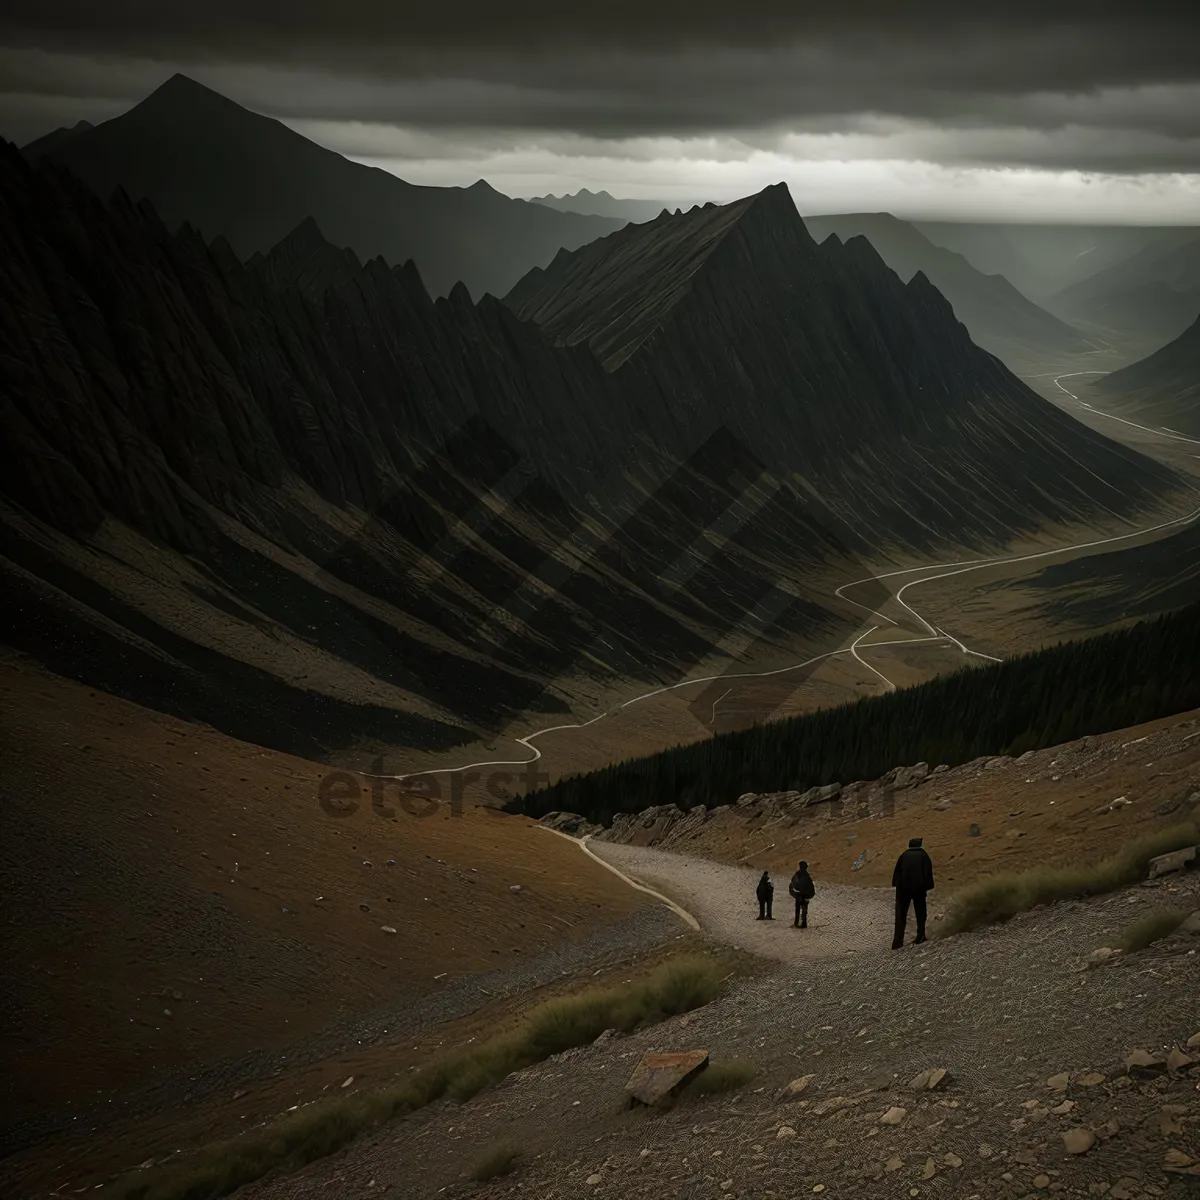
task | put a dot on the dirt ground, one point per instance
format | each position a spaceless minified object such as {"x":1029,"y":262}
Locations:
{"x":173,"y":897}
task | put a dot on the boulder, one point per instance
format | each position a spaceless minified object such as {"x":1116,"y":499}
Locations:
{"x":1177,"y":860}
{"x":906,"y":777}
{"x":658,"y":1075}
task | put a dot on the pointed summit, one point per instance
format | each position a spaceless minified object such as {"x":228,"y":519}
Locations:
{"x":616,"y":292}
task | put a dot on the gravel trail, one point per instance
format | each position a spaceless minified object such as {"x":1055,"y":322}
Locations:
{"x":841,"y":920}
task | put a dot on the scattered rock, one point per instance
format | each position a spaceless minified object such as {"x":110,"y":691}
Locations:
{"x":893,"y":1116}
{"x":1143,"y":1061}
{"x":514,"y":887}
{"x":1178,"y":1061}
{"x":1105,"y":954}
{"x":1062,"y":1109}
{"x":952,"y":1160}
{"x":658,"y":1075}
{"x":347,"y":1082}
{"x":1090,"y":1079}
{"x":929,"y":1170}
{"x":784,"y":1133}
{"x":1193,"y":1042}
{"x":388,"y":928}
{"x":1078,"y":1141}
{"x":1041,"y":1182}
{"x":593,"y":1179}
{"x":893,"y":1164}
{"x":1059,"y":1083}
{"x":799,"y":1085}
{"x":929,"y":1080}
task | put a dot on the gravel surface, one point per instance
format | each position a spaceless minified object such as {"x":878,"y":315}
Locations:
{"x":841,"y":920}
{"x":1003,"y":1011}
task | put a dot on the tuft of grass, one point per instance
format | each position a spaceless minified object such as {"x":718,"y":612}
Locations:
{"x":1154,"y":926}
{"x":499,"y":1160}
{"x":555,"y":1025}
{"x":1003,"y":896}
{"x":722,"y":1077}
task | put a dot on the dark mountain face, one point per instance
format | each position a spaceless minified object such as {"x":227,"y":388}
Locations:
{"x":204,"y":160}
{"x":300,"y":500}
{"x":830,"y":368}
{"x":999,"y":317}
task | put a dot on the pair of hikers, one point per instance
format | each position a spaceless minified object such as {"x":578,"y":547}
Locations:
{"x":912,"y":879}
{"x":800,"y":889}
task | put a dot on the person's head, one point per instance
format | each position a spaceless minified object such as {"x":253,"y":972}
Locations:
{"x":766,"y":874}
{"x":804,"y":866}
{"x":914,"y":843}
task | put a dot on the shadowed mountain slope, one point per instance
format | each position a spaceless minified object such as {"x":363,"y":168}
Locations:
{"x":202,"y":159}
{"x":301,"y":501}
{"x":1162,"y":390}
{"x":998,"y":316}
{"x":830,"y":368}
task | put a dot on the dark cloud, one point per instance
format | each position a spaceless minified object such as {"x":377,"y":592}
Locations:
{"x":1047,"y":83}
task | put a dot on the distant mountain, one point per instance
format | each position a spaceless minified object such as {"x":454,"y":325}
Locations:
{"x":229,"y":172}
{"x":1152,"y":296}
{"x":304,"y":503}
{"x":602,"y":204}
{"x":1042,"y":260}
{"x":999,"y":318}
{"x":1162,"y":390}
{"x":56,"y":138}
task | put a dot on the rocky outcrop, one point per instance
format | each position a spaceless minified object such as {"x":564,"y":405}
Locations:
{"x":570,"y":823}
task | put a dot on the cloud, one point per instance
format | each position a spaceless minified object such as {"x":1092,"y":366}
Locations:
{"x":1043,"y":86}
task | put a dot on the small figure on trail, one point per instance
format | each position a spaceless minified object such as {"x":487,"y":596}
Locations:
{"x":766,"y":896}
{"x":802,"y":890}
{"x":912,"y":878}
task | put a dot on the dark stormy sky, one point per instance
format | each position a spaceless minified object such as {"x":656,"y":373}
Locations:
{"x":1053,"y":110}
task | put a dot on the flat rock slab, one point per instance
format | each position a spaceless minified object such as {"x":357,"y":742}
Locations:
{"x":657,"y":1075}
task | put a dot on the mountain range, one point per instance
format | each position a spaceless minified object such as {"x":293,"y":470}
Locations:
{"x":602,"y":204}
{"x":232,"y":173}
{"x":302,"y":501}
{"x":999,"y":317}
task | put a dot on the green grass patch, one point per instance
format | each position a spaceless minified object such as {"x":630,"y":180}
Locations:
{"x":1003,"y":896}
{"x":721,"y":1077}
{"x":499,"y":1160}
{"x":1153,"y":927}
{"x":558,"y":1024}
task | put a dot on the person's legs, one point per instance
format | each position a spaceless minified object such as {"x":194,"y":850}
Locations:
{"x":799,"y":912}
{"x":902,"y":901}
{"x":803,"y":914}
{"x":919,"y":910}
{"x":770,"y":906}
{"x":762,"y":910}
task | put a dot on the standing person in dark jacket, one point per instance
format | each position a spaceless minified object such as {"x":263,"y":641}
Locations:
{"x":766,"y":896}
{"x":912,"y":878}
{"x":802,"y":891}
